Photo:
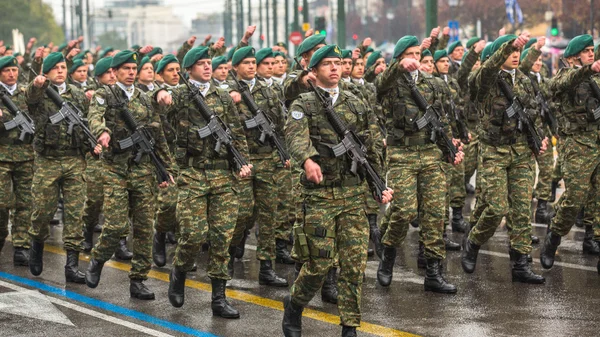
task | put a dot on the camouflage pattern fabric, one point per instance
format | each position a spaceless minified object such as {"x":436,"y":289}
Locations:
{"x":545,"y":163}
{"x":246,"y":216}
{"x":95,"y":193}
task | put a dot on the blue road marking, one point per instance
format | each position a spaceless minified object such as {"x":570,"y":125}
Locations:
{"x":106,"y":306}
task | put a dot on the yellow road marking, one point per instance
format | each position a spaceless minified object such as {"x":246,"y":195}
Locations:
{"x":374,"y":329}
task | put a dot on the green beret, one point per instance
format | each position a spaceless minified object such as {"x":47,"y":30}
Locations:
{"x":124,"y":56}
{"x":281,"y":44}
{"x":425,"y":53}
{"x":217,"y":61}
{"x":167,"y":59}
{"x":104,"y":51}
{"x":577,"y":44}
{"x":330,"y":50}
{"x":473,"y":41}
{"x":8,"y":61}
{"x":102,"y":66}
{"x":76,"y":64}
{"x":369,"y":50}
{"x":230,"y":54}
{"x":16,"y":54}
{"x":62,"y":46}
{"x":144,"y":60}
{"x":195,"y":54}
{"x":279,"y":53}
{"x":51,"y":60}
{"x":135,"y":47}
{"x":487,"y":51}
{"x":346,"y":53}
{"x":530,"y":43}
{"x":78,"y":57}
{"x":453,"y":46}
{"x":154,"y":51}
{"x":500,"y":41}
{"x":242,"y":53}
{"x":439,"y":54}
{"x":373,"y":59}
{"x":309,"y":43}
{"x":263,"y":54}
{"x":404,"y":43}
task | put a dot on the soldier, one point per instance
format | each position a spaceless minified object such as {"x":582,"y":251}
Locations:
{"x":16,"y":165}
{"x":281,"y":68}
{"x":129,"y":188}
{"x":334,"y":220}
{"x":455,"y":54}
{"x":413,"y":161}
{"x":266,"y":163}
{"x":78,"y":76}
{"x":506,"y":162}
{"x":59,"y":167}
{"x":574,"y":88}
{"x":208,"y":204}
{"x":145,"y":79}
{"x":220,"y":72}
{"x":296,"y":83}
{"x":375,"y":65}
{"x":168,"y":68}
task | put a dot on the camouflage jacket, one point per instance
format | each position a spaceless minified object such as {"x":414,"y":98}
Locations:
{"x":496,"y":127}
{"x":575,"y":101}
{"x":11,"y":148}
{"x":454,"y":103}
{"x":370,"y":92}
{"x":105,"y":116}
{"x":309,"y":134}
{"x":89,"y":85}
{"x":293,"y":87}
{"x":462,"y":78}
{"x":191,"y":150}
{"x":52,"y":139}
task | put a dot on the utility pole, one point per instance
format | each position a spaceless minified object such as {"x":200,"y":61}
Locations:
{"x":341,"y":19}
{"x":287,"y":20}
{"x":268,"y":34}
{"x":275,"y":27}
{"x":305,"y":12}
{"x":592,"y":19}
{"x":64,"y":2}
{"x":249,"y":14}
{"x":261,"y":24}
{"x":72,"y":19}
{"x":431,"y":14}
{"x":296,"y":25}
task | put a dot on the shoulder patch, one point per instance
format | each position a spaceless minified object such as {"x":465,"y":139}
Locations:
{"x":293,"y":76}
{"x":224,"y":86}
{"x":100,"y":100}
{"x":297,"y":114}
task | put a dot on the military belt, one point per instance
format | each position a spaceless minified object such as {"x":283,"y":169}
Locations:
{"x":261,"y":150}
{"x":321,"y":253}
{"x":201,"y":163}
{"x":61,"y":153}
{"x":351,"y":181}
{"x":319,"y":231}
{"x":409,"y":141}
{"x":506,"y":141}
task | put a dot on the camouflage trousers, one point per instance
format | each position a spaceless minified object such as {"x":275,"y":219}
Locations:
{"x":417,"y":172}
{"x":128,"y":191}
{"x":507,"y":175}
{"x":557,"y":174}
{"x":286,"y":208}
{"x":15,"y":196}
{"x":470,"y":162}
{"x":53,"y":176}
{"x":339,"y":212}
{"x":95,"y":193}
{"x":167,"y":210}
{"x":581,"y":161}
{"x":545,"y":163}
{"x":246,"y":217}
{"x":455,"y":182}
{"x":207,"y":209}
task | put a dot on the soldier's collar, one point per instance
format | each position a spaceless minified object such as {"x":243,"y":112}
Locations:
{"x":62,"y":88}
{"x":11,"y":89}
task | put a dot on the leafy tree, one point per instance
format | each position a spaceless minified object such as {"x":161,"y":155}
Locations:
{"x":33,"y":18}
{"x":112,"y":39}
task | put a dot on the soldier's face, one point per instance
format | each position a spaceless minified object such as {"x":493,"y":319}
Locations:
{"x":147,"y":73}
{"x":280,"y":66}
{"x":202,"y":70}
{"x":381,"y":62}
{"x":58,"y":74}
{"x":126,"y":73}
{"x":265,"y":68}
{"x":221,"y":72}
{"x":80,"y":75}
{"x":443,"y":65}
{"x":108,"y":78}
{"x":458,"y":53}
{"x":537,"y":66}
{"x":586,"y":56}
{"x":427,"y":64}
{"x":328,"y":72}
{"x":308,"y":55}
{"x":346,"y":67}
{"x":412,"y":53}
{"x":170,"y":74}
{"x":359,"y":69}
{"x":512,"y":62}
{"x":9,"y":75}
{"x":366,"y":56}
{"x":246,"y":69}
{"x":9,"y":52}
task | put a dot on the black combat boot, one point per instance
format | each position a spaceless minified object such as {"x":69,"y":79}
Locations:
{"x":542,"y":214}
{"x":535,"y":240}
{"x":97,"y":228}
{"x":348,"y":331}
{"x":72,"y":273}
{"x":434,"y":281}
{"x":137,"y":289}
{"x":159,"y":255}
{"x":292,"y":318}
{"x":177,"y":287}
{"x":36,"y":257}
{"x":375,"y":234}
{"x":21,"y":256}
{"x":92,"y":274}
{"x":267,"y":275}
{"x":469,"y":256}
{"x":88,"y":240}
{"x":589,"y":245}
{"x":122,"y":253}
{"x":386,"y":266}
{"x":241,"y":248}
{"x":450,"y":245}
{"x":458,"y":222}
{"x":2,"y":245}
{"x":521,"y":271}
{"x":549,"y":248}
{"x":171,"y":238}
{"x":579,"y":219}
{"x":282,"y":255}
{"x":329,"y":291}
{"x":421,"y":262}
{"x":231,"y":260}
{"x":554,"y":188}
{"x":415,"y":223}
{"x":220,"y":306}
{"x":470,"y":189}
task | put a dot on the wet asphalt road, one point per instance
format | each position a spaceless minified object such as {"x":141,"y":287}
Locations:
{"x":487,"y":303}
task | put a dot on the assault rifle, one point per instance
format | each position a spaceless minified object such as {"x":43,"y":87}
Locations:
{"x":21,"y":119}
